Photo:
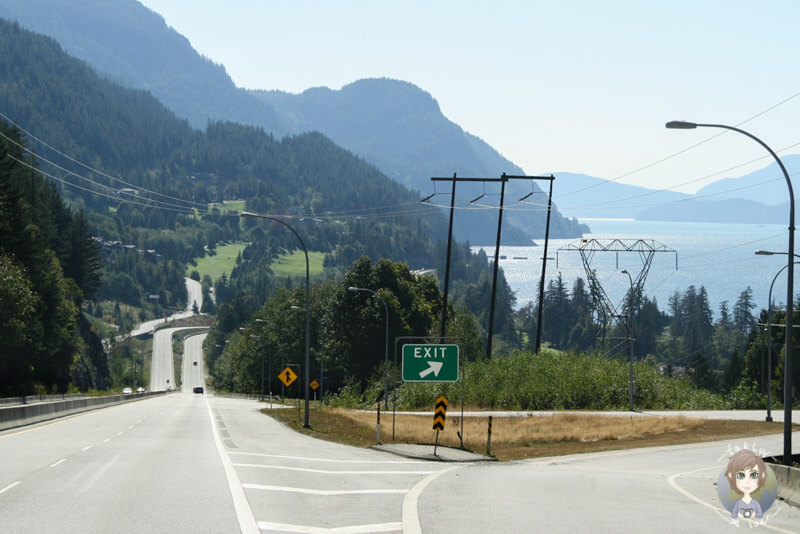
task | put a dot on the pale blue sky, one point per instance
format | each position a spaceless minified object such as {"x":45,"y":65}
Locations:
{"x":571,"y":85}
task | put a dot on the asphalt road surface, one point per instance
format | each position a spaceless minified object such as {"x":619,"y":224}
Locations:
{"x":186,"y":462}
{"x":665,"y":489}
{"x":193,"y":463}
{"x":193,"y":368}
{"x":195,"y":295}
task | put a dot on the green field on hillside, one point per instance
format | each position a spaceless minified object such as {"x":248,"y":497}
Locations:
{"x":294,"y":264}
{"x":224,"y":261}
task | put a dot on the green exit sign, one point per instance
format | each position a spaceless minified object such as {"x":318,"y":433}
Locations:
{"x":430,"y":363}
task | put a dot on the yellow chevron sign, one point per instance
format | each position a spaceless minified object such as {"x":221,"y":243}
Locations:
{"x":439,"y":413}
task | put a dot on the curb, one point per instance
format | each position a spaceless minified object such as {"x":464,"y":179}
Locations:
{"x":425,"y":452}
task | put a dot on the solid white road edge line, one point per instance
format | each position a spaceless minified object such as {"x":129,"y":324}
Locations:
{"x":247,"y":522}
{"x":410,"y":502}
{"x":354,"y":529}
{"x":719,"y":510}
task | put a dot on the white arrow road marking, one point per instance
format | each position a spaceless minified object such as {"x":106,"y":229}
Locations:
{"x":433,"y":367}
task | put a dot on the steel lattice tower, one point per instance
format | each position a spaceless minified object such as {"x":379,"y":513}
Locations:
{"x":608,"y":313}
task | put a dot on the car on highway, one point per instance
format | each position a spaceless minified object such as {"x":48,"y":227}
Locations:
{"x":140,"y":389}
{"x":127,"y":391}
{"x":198,"y":389}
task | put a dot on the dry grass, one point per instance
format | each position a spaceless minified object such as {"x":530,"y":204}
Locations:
{"x":525,"y":437}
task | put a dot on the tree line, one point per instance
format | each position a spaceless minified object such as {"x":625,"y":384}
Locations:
{"x":49,"y":266}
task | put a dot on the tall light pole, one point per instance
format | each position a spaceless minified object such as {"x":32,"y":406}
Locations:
{"x":262,"y":366}
{"x":787,"y":367}
{"x":630,"y":339}
{"x":269,"y":372}
{"x":769,"y":330}
{"x":386,"y":308}
{"x":321,"y":350}
{"x":247,"y":214}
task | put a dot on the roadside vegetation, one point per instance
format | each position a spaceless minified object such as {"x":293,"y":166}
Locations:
{"x":554,"y":380}
{"x":516,"y":438}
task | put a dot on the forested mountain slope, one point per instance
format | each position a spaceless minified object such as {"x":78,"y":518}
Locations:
{"x":391,"y":124}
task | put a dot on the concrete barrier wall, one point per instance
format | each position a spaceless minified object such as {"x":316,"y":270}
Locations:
{"x":27,"y":414}
{"x":10,"y":401}
{"x":788,"y":483}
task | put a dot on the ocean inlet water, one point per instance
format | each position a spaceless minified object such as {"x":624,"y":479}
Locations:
{"x":719,"y":257}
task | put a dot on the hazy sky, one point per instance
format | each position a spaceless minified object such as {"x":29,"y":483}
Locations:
{"x":569,"y":85}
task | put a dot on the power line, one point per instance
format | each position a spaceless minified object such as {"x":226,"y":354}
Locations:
{"x":88,"y":167}
{"x":682,"y":151}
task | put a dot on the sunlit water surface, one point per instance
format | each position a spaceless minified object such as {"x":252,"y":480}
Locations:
{"x":720,"y":257}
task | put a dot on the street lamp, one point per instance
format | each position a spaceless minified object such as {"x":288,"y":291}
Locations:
{"x":787,"y":382}
{"x":262,"y":369}
{"x":386,"y":308}
{"x":321,"y":350}
{"x":630,"y":339}
{"x":769,"y":330}
{"x":247,"y":214}
{"x":269,"y":374}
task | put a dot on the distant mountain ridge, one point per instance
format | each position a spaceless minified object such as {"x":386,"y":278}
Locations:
{"x":394,"y":125}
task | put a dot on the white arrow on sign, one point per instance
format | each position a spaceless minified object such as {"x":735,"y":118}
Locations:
{"x":433,"y":367}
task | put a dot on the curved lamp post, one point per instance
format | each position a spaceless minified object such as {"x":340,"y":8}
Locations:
{"x":247,"y":214}
{"x":321,"y":350}
{"x":630,"y":340}
{"x":769,"y":330}
{"x":787,"y":382}
{"x":386,"y":308}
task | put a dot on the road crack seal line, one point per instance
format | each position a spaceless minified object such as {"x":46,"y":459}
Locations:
{"x":719,"y":510}
{"x":331,"y":460}
{"x":329,"y":472}
{"x":325,"y":493}
{"x":354,"y":529}
{"x":9,"y":487}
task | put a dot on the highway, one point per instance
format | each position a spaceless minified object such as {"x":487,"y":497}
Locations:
{"x":665,"y":489}
{"x":193,"y":463}
{"x":187,"y":462}
{"x":193,"y":370}
{"x":195,"y":295}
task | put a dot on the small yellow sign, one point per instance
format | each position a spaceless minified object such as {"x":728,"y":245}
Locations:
{"x":287,"y":376}
{"x":314,"y":384}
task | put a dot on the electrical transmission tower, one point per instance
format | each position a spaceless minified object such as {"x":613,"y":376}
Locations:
{"x":610,"y":315}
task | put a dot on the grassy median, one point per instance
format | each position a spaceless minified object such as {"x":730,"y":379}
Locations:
{"x":523,"y":437}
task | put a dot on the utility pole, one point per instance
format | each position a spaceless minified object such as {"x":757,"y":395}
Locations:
{"x":502,"y":180}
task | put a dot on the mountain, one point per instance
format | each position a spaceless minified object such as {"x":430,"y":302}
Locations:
{"x":386,"y":121}
{"x":133,"y":46}
{"x":393,"y":125}
{"x":128,"y":135}
{"x":767,"y":185}
{"x":579,"y":195}
{"x":760,"y":197}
